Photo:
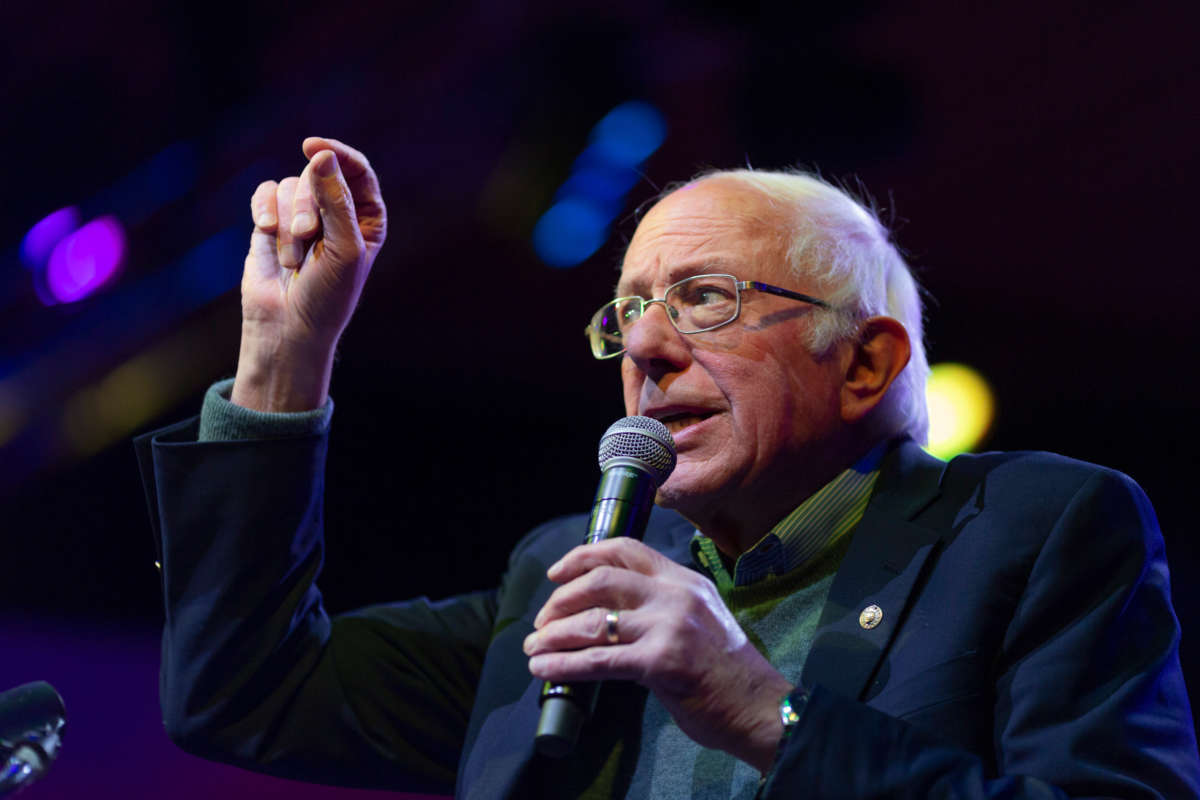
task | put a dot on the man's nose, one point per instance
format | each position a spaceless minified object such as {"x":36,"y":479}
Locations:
{"x":653,"y":343}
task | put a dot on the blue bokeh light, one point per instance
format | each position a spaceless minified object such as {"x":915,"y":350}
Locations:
{"x":46,"y":233}
{"x":164,"y":178}
{"x":570,"y":231}
{"x":605,"y":186}
{"x":576,"y":226}
{"x":208,"y":270}
{"x":629,"y":134}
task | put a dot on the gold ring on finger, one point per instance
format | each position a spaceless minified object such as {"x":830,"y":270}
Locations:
{"x":610,"y":623}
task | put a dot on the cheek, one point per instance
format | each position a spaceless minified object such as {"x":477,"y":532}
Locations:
{"x":763,"y":394}
{"x":779,"y":402}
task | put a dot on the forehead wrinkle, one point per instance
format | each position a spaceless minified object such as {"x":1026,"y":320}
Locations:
{"x":701,"y":242}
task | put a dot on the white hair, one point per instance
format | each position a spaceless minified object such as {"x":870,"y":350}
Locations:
{"x":836,"y":240}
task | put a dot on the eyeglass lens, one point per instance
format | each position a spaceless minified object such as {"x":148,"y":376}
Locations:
{"x":693,"y":305}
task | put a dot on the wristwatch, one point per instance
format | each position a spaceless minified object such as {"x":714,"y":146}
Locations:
{"x":791,"y":707}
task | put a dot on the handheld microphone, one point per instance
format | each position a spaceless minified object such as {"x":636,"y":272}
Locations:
{"x":636,"y":456}
{"x":32,"y":718}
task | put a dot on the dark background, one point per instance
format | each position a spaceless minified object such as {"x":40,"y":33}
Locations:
{"x":1037,"y":160}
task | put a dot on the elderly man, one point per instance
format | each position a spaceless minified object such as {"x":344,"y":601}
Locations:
{"x":823,"y":611}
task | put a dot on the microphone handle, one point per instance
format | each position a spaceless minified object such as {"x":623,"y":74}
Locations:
{"x":622,"y":507}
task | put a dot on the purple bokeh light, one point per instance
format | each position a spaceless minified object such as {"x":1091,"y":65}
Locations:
{"x":47,"y":232}
{"x":85,"y":260}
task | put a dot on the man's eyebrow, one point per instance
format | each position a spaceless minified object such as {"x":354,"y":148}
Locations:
{"x":683,"y":270}
{"x":709,"y":265}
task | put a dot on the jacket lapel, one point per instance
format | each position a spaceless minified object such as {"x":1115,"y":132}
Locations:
{"x":882,"y":568}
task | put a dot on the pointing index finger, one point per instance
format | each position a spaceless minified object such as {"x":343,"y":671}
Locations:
{"x":361,"y":180}
{"x":355,"y":167}
{"x":352,"y":161}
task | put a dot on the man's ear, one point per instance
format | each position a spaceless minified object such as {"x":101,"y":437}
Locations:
{"x":876,"y":358}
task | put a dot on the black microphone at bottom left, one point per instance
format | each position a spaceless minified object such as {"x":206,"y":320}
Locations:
{"x":32,"y":720}
{"x":636,"y":456}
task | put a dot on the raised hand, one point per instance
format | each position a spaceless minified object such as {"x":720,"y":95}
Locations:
{"x":675,"y":637}
{"x":315,"y":239}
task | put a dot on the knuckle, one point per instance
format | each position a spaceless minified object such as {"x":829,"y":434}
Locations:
{"x":695,"y":599}
{"x":548,"y":636}
{"x":599,"y":622}
{"x":678,"y":599}
{"x":629,"y":549}
{"x":553,"y":600}
{"x":552,"y":611}
{"x":337,"y":197}
{"x":599,"y":658}
{"x":602,"y":576}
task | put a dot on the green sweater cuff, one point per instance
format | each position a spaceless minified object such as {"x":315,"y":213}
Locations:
{"x":222,"y":420}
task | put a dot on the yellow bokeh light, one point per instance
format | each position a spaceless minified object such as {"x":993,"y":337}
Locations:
{"x":105,"y":411}
{"x":132,"y":393}
{"x":961,"y":408}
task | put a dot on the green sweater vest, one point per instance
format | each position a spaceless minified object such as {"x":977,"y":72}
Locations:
{"x":779,"y":615}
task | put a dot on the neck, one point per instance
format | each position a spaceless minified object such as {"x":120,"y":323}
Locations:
{"x":739,"y":518}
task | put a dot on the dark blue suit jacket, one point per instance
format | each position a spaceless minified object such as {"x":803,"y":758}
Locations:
{"x":1027,"y":646}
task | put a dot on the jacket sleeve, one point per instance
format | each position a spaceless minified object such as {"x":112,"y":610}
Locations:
{"x":1088,"y":699}
{"x":254,"y":672}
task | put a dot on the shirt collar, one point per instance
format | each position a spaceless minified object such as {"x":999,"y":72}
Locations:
{"x":826,"y":516}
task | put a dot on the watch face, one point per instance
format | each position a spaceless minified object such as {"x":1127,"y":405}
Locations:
{"x":788,"y":713}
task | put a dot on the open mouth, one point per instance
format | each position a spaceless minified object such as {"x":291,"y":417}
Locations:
{"x":676,"y":422}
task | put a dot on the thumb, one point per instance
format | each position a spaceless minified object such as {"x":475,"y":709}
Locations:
{"x":342,"y":237}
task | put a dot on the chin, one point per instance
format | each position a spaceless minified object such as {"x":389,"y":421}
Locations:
{"x":685,"y":492}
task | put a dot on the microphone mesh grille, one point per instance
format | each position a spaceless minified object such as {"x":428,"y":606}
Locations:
{"x":643,"y":440}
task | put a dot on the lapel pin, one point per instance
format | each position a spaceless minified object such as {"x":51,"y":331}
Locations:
{"x":871,"y":616}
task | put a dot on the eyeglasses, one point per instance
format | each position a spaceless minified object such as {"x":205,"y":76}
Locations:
{"x":694,"y":305}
